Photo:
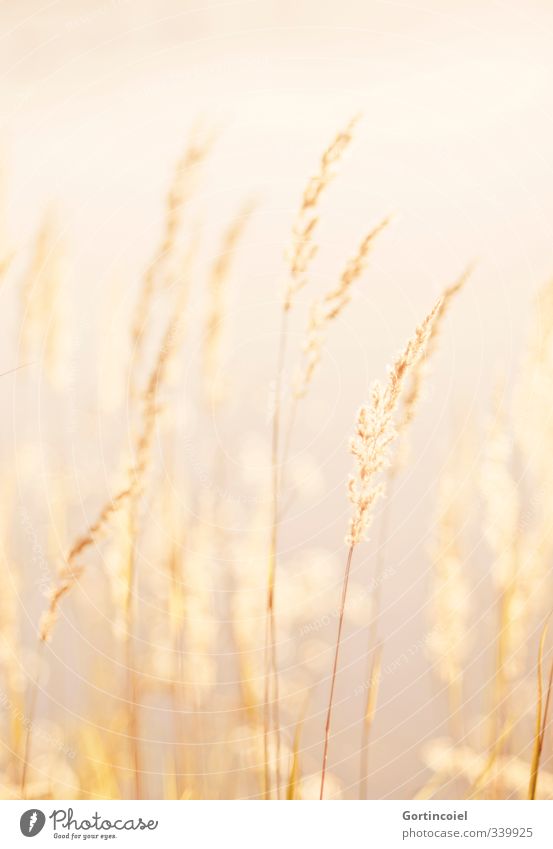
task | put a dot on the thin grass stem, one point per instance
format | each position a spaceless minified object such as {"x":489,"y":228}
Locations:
{"x":335,"y":667}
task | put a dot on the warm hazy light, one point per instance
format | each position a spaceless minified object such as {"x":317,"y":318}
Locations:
{"x":160,"y":469}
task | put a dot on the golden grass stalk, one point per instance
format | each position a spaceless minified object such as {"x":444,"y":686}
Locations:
{"x":158,"y":272}
{"x":30,"y":720}
{"x":419,"y":374}
{"x":328,"y":308}
{"x":323,"y":312}
{"x":101,"y":775}
{"x":72,"y":568}
{"x":534,"y":429}
{"x":132,"y":683}
{"x":368,"y":718}
{"x":371,"y":447}
{"x":409,"y":403}
{"x":294,"y":776}
{"x":502,"y":533}
{"x":176,"y":612}
{"x":450,"y":761}
{"x":10,"y":647}
{"x":41,"y":302}
{"x":169,"y":344}
{"x":447,"y":643}
{"x":492,"y":761}
{"x":216,"y":301}
{"x":301,"y":254}
{"x":542,"y":714}
{"x":375,"y":431}
{"x":534,"y":435}
{"x":304,"y":248}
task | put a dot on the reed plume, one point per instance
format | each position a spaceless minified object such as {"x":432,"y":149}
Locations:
{"x":419,"y":374}
{"x":198,"y":674}
{"x":42,"y":304}
{"x":328,"y":308}
{"x":409,"y":402}
{"x":159,"y":272}
{"x":169,"y":344}
{"x":300,"y":256}
{"x":375,"y":431}
{"x":371,"y":446}
{"x":303,"y":248}
{"x":71,"y":569}
{"x":216,"y":301}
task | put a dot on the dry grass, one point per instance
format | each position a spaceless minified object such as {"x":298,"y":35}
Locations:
{"x":371,"y":447}
{"x":170,"y":578}
{"x":542,"y":716}
{"x":301,"y":255}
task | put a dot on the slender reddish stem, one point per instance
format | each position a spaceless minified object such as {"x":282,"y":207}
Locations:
{"x":30,"y":720}
{"x":335,"y":667}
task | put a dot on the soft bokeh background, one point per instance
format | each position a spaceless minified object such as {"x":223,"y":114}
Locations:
{"x":96,"y":101}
